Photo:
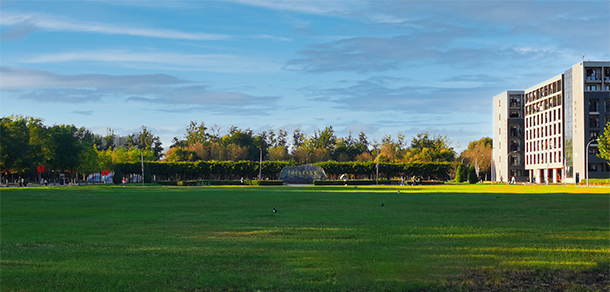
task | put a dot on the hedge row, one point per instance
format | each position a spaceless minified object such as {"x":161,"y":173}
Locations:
{"x":367,"y":182}
{"x":426,"y":170}
{"x":210,"y":170}
{"x":595,"y":182}
{"x":192,"y":183}
{"x":231,"y":170}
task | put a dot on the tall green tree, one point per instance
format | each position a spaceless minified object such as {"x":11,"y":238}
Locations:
{"x":88,"y":161}
{"x":196,"y":133}
{"x":604,"y":144}
{"x":430,"y":149}
{"x":478,"y":154}
{"x":15,"y":145}
{"x":146,"y":140}
{"x":66,"y":147}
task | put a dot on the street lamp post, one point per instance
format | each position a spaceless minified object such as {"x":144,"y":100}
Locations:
{"x":260,"y":164}
{"x":377,"y":169}
{"x":548,"y":157}
{"x":587,"y":159}
{"x":142,"y":153}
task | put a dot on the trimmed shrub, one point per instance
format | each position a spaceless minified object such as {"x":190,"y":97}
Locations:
{"x":472,"y":175}
{"x":220,"y":182}
{"x":117,"y":178}
{"x":187,"y":183}
{"x":168,"y":183}
{"x":267,"y":183}
{"x":458,"y":173}
{"x":595,"y":182}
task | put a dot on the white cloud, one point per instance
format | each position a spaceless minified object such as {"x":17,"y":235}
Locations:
{"x":309,"y":7}
{"x":56,"y":24}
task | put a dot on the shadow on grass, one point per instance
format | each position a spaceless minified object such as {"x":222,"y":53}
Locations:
{"x":494,"y":279}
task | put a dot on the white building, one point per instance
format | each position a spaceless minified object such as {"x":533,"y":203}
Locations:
{"x":559,"y":117}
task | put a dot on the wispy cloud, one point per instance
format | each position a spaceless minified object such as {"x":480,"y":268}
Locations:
{"x":46,"y":22}
{"x":161,"y":91}
{"x":200,"y":95}
{"x":20,"y":78}
{"x":19,"y":30}
{"x":379,"y":95}
{"x":163,"y":60}
{"x":83,"y":113}
{"x":309,"y":7}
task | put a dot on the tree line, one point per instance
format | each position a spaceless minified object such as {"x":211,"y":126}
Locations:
{"x":206,"y":144}
{"x":27,"y":142}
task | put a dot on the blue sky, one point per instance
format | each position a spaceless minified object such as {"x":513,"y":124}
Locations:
{"x":381,"y":67}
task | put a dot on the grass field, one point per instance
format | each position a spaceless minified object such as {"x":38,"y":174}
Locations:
{"x":107,"y":238}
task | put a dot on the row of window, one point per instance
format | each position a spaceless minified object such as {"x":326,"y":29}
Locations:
{"x":543,"y":104}
{"x":599,"y":167}
{"x":551,"y":116}
{"x":544,"y":131}
{"x":594,"y":74}
{"x":543,"y":145}
{"x":544,"y":91}
{"x":594,"y":105}
{"x":541,"y":158}
{"x":594,"y":121}
{"x":595,"y":87}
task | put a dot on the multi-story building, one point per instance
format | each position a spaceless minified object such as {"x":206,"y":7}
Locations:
{"x":560,"y":117}
{"x":508,"y":144}
{"x":544,"y":128}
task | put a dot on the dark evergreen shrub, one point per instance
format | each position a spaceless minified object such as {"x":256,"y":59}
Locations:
{"x":117,"y":178}
{"x":472,"y":175}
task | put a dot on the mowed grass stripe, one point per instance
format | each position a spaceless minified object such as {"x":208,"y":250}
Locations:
{"x":322,"y":238}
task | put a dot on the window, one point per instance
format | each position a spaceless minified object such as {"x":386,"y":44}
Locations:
{"x":594,"y":121}
{"x":591,"y":87}
{"x":607,"y":74}
{"x":593,"y":150}
{"x":515,"y":146}
{"x":514,"y":114}
{"x":607,"y":102}
{"x":593,"y":105}
{"x":607,"y":119}
{"x":515,"y":101}
{"x":593,"y":135}
{"x":593,"y":74}
{"x":515,"y":131}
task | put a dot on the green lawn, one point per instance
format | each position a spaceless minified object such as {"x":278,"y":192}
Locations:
{"x":106,"y":238}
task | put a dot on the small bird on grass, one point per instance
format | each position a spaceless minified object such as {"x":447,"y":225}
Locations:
{"x":382,"y":204}
{"x":274,"y":210}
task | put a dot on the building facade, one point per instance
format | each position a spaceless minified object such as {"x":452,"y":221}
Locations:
{"x":560,"y":121}
{"x":507,"y":161}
